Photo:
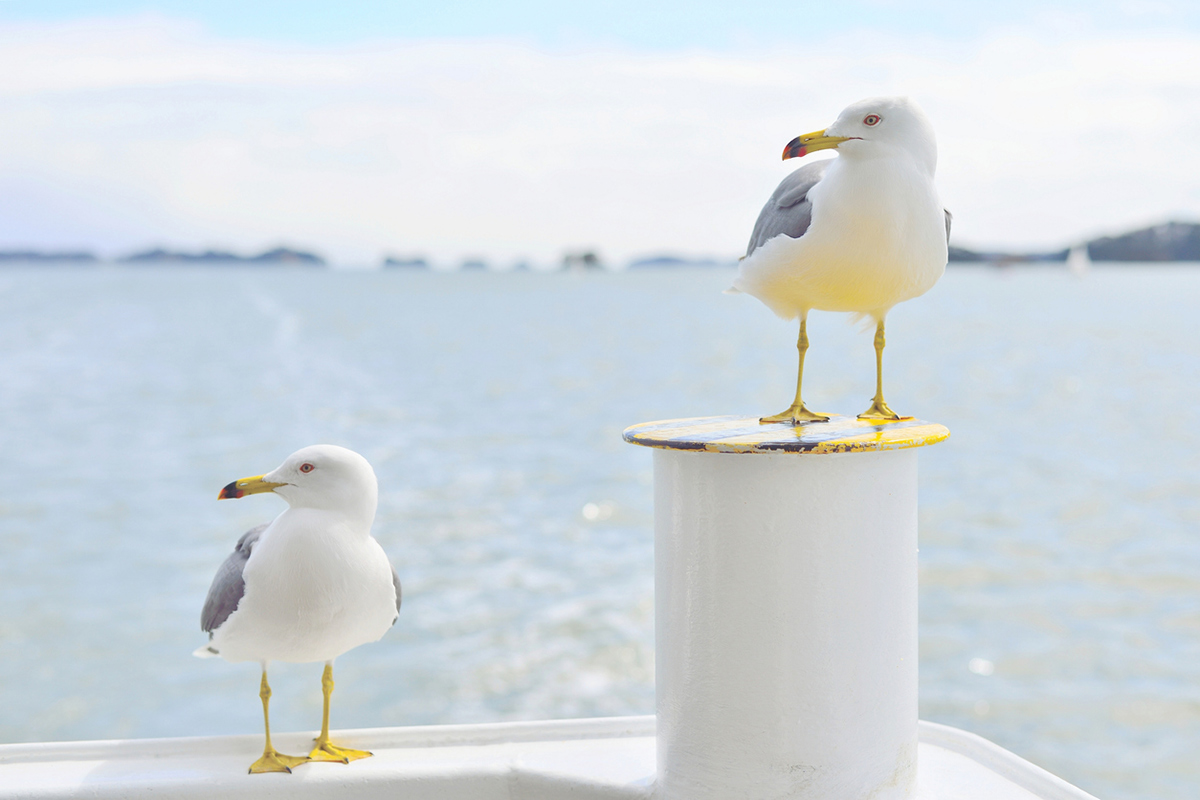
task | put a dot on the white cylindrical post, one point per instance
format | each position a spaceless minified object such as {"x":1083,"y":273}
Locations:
{"x":786,"y":608}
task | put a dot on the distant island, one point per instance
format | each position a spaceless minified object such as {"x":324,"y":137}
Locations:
{"x":575,"y":260}
{"x":961,"y":255}
{"x":50,"y":257}
{"x":406,"y":262}
{"x":654,"y":262}
{"x":1173,"y":241}
{"x":280,"y":255}
{"x":1170,"y":241}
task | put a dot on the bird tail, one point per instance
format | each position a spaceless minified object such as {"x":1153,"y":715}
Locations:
{"x":208,"y":651}
{"x":734,"y":289}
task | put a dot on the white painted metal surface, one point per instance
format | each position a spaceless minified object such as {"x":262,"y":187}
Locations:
{"x":595,"y":759}
{"x":786,"y":596}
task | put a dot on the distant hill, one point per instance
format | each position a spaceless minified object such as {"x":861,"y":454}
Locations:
{"x":27,"y":256}
{"x":280,"y":255}
{"x":1171,"y":241}
{"x":963,"y":255}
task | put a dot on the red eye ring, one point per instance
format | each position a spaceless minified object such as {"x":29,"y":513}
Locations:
{"x":871,"y":119}
{"x":306,"y":467}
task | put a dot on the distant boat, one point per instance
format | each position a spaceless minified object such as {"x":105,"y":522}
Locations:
{"x":1078,"y":261}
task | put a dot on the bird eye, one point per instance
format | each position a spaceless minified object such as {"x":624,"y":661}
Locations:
{"x":871,"y":119}
{"x":306,"y":467}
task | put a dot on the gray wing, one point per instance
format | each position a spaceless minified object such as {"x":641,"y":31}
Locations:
{"x":396,"y":583}
{"x":949,"y":217}
{"x":227,"y":586}
{"x":789,"y":210}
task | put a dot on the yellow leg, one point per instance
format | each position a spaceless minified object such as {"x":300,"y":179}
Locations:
{"x":271,"y":760}
{"x":879,"y":408}
{"x":324,"y":749}
{"x":797,"y":413}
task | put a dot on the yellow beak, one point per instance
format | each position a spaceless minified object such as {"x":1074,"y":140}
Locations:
{"x":245,"y":486}
{"x":810,"y":143}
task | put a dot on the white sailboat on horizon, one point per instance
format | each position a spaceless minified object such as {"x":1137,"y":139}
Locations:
{"x":1078,"y":261}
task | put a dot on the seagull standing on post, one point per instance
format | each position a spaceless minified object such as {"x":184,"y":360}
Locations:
{"x":308,"y":586}
{"x":858,"y":233}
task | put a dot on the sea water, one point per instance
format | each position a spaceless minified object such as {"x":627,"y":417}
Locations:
{"x":1060,"y":523}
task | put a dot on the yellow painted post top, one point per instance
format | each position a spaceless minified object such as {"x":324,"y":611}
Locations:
{"x":747,"y":435}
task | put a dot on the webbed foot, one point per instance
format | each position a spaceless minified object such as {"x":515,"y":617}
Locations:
{"x":328,"y":751}
{"x":796,"y":415}
{"x":882,"y":411}
{"x":273,"y":761}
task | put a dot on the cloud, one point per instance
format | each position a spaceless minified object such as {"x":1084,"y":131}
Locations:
{"x":127,"y":132}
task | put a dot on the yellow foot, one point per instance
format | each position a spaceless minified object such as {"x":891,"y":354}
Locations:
{"x":880,"y":410}
{"x":328,"y":751}
{"x":796,"y":415}
{"x":272,"y":761}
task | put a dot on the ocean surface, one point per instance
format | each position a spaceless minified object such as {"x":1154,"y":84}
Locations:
{"x":1060,"y":523}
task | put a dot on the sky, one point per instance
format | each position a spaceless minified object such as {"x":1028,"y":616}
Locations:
{"x":515,"y":132}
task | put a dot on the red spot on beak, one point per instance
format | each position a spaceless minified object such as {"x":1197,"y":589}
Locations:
{"x":231,"y":492}
{"x":794,"y":149}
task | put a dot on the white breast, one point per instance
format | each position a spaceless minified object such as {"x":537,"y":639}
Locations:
{"x":877,"y":238}
{"x":315,"y":588}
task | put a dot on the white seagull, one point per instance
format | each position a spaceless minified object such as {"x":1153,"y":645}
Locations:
{"x":309,"y":585}
{"x":859,"y":233}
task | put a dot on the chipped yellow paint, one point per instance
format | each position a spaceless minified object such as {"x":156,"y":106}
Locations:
{"x":747,"y":435}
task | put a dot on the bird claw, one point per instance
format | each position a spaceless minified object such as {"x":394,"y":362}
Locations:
{"x":327,"y":751}
{"x":273,"y":761}
{"x":796,"y":415}
{"x":880,"y":410}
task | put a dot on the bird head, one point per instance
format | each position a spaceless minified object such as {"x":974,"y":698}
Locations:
{"x":322,"y":476}
{"x":875,"y":127}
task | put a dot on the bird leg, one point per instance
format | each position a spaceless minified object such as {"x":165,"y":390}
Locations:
{"x":797,"y":414}
{"x":326,"y":750}
{"x":271,"y":760}
{"x":879,"y":408}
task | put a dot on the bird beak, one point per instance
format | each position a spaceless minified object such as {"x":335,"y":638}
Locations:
{"x":811,"y":143}
{"x":245,"y":486}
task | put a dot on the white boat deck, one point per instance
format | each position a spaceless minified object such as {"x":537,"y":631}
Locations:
{"x":588,"y":759}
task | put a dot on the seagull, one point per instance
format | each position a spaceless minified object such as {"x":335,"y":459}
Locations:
{"x":858,"y":233}
{"x":308,"y":586}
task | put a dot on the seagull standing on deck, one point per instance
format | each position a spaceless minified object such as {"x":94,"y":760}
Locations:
{"x":308,"y":586}
{"x":858,"y":233}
